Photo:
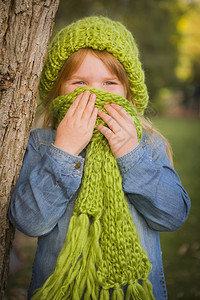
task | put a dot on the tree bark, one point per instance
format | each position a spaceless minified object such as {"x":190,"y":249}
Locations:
{"x":25,"y":28}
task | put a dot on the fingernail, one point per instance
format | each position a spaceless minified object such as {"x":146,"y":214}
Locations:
{"x":87,"y":92}
{"x":93,"y":97}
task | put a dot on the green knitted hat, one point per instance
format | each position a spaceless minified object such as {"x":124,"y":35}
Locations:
{"x":99,"y":33}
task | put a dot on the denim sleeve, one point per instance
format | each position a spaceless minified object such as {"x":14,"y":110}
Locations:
{"x":154,"y":187}
{"x":45,"y":185}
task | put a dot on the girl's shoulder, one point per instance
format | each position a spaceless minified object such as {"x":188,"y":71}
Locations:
{"x":156,"y":146}
{"x":151,"y":138}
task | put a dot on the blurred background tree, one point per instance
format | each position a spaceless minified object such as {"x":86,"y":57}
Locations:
{"x":188,"y":67}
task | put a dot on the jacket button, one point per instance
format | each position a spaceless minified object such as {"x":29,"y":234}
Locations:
{"x":78,"y":165}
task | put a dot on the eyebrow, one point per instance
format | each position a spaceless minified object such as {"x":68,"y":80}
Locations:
{"x":83,"y":77}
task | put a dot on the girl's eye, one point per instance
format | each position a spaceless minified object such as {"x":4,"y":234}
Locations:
{"x":110,"y":82}
{"x":79,"y":82}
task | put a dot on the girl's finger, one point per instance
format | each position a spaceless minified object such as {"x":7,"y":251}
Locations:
{"x":115,"y":115}
{"x":82,"y":104}
{"x":74,"y":105}
{"x":105,"y":131}
{"x":113,"y":125}
{"x":89,"y":108}
{"x":93,"y":118}
{"x":119,"y":114}
{"x":122,"y":112}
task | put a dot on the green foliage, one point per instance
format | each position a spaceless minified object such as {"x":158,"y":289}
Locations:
{"x":189,"y":47}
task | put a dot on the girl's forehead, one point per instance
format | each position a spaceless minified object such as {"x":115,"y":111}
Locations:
{"x":92,"y":64}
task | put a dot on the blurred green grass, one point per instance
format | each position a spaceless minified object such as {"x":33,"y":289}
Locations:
{"x":181,"y":249}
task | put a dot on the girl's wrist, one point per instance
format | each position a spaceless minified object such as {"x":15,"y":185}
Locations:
{"x":65,"y":147}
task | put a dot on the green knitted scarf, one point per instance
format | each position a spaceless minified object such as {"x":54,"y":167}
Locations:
{"x":102,"y":257}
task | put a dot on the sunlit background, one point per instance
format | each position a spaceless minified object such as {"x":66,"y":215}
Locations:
{"x":168,"y":36}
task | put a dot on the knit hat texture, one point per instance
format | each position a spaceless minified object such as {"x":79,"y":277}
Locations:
{"x":102,"y":257}
{"x":99,"y":33}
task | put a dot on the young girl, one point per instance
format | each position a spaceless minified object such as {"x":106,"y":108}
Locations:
{"x":98,"y":185}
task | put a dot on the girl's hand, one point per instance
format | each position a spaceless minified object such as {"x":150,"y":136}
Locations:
{"x":76,"y":128}
{"x":121,"y":134}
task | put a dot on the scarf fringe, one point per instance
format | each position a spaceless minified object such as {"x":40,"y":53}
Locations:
{"x":104,"y":294}
{"x":117,"y":294}
{"x":86,"y":280}
{"x":148,"y":289}
{"x":77,"y":260}
{"x":135,"y":291}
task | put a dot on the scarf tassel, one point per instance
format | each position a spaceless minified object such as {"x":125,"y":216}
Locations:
{"x":148,"y":289}
{"x":104,"y":294}
{"x":135,"y":291}
{"x":75,"y":270}
{"x":86,"y":280}
{"x":117,"y":294}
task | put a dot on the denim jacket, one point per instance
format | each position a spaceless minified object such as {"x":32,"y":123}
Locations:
{"x":43,"y":199}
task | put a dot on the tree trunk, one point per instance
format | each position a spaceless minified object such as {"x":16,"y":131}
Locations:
{"x":25,"y":28}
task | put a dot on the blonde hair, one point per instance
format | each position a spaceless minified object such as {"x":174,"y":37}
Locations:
{"x":72,"y":64}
